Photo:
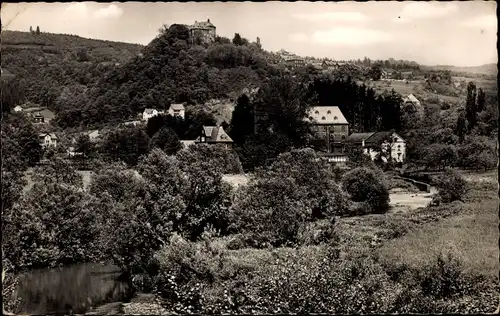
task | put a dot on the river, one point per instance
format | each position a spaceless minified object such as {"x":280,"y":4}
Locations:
{"x":78,"y":288}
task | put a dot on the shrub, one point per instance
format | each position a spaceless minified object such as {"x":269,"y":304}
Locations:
{"x":322,"y":194}
{"x":256,"y":213}
{"x":452,"y":186}
{"x":367,"y":185}
{"x":216,"y":157}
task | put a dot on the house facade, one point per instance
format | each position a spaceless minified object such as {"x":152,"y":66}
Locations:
{"x":18,"y":108}
{"x":202,"y":32}
{"x":47,"y":140}
{"x":177,"y":110}
{"x":332,"y":130}
{"x":214,"y":135}
{"x":149,"y":113}
{"x":389,"y":144}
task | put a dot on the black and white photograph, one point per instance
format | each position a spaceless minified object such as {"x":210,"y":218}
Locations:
{"x":249,"y":158}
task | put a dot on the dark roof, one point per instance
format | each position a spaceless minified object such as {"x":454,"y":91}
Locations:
{"x":178,"y":107}
{"x":377,"y":138}
{"x":215,"y":134}
{"x":359,"y":137}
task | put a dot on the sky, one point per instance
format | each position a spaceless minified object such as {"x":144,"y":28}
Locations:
{"x":430,"y":33}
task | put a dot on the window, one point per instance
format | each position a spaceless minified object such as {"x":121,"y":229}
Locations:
{"x":343,"y":137}
{"x":399,"y":147}
{"x":311,"y":118}
{"x":317,"y":112}
{"x":323,"y":118}
{"x":329,"y":112}
{"x":335,"y":118}
{"x":343,"y":128}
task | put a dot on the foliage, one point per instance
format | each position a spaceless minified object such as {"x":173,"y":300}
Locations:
{"x":242,"y":121}
{"x":451,"y":186}
{"x":440,"y":156}
{"x":477,"y":153}
{"x":255,"y":213}
{"x":215,"y":157}
{"x":84,"y":145}
{"x":167,"y":140}
{"x":59,"y":171}
{"x":324,"y":195}
{"x":367,"y":185}
{"x":365,"y":111}
{"x":55,"y":223}
{"x":127,"y":144}
{"x":20,"y":143}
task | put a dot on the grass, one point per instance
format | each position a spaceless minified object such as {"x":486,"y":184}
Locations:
{"x":471,"y":235}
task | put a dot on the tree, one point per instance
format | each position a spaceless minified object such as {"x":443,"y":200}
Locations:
{"x":31,"y":29}
{"x":461,"y":126}
{"x":238,"y":40}
{"x":451,"y":186}
{"x":127,"y":144}
{"x":242,"y":121}
{"x":37,"y":30}
{"x":84,"y":145}
{"x":375,"y":73}
{"x":471,"y":106}
{"x":481,"y":100}
{"x":322,"y":194}
{"x":167,"y":140}
{"x":59,"y":171}
{"x":367,"y":185}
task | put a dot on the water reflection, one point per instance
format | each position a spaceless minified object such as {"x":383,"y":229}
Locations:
{"x":75,"y":288}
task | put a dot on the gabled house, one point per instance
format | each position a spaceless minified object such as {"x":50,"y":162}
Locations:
{"x":39,"y":114}
{"x":149,"y":113}
{"x":6,"y":75}
{"x":177,"y":110}
{"x":213,"y":135}
{"x":18,"y":108}
{"x":388,"y":144}
{"x":332,"y":128}
{"x":329,"y":65}
{"x":412,"y":99}
{"x":47,"y":140}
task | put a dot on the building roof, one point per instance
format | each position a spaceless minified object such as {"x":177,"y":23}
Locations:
{"x":359,"y":137}
{"x":411,"y":98}
{"x":378,"y":137}
{"x":178,"y":107}
{"x":52,"y":135}
{"x":327,"y":115}
{"x":329,"y":63}
{"x":204,"y":24}
{"x":149,"y":111}
{"x":215,"y":134}
{"x":6,"y":73}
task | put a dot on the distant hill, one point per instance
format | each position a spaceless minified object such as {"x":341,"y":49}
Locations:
{"x":487,"y":69}
{"x":46,"y":66}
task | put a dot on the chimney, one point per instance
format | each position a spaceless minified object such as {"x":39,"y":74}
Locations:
{"x":208,"y":20}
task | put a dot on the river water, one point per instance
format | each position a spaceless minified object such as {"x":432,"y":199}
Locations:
{"x":77,"y":288}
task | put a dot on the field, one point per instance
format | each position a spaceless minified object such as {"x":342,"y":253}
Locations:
{"x":472,"y":235}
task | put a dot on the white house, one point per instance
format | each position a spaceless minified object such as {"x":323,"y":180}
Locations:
{"x":177,"y":110}
{"x":149,"y":113}
{"x":18,"y":108}
{"x":377,"y":142}
{"x":47,"y":140}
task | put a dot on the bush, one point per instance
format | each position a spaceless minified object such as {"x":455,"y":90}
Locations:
{"x":217,"y":158}
{"x":367,"y":185}
{"x":255,"y":212}
{"x":452,"y":186}
{"x":323,"y":195}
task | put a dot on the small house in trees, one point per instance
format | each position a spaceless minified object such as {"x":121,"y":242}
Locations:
{"x":412,"y":100}
{"x":149,"y":113}
{"x":47,"y":140}
{"x":177,"y":110}
{"x":387,"y":145}
{"x":18,"y":108}
{"x":214,"y":135}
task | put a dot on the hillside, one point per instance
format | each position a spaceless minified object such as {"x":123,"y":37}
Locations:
{"x":170,"y":69}
{"x":48,"y":66}
{"x":487,"y":69}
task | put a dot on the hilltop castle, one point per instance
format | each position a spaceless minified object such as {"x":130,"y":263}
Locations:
{"x":202,"y":32}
